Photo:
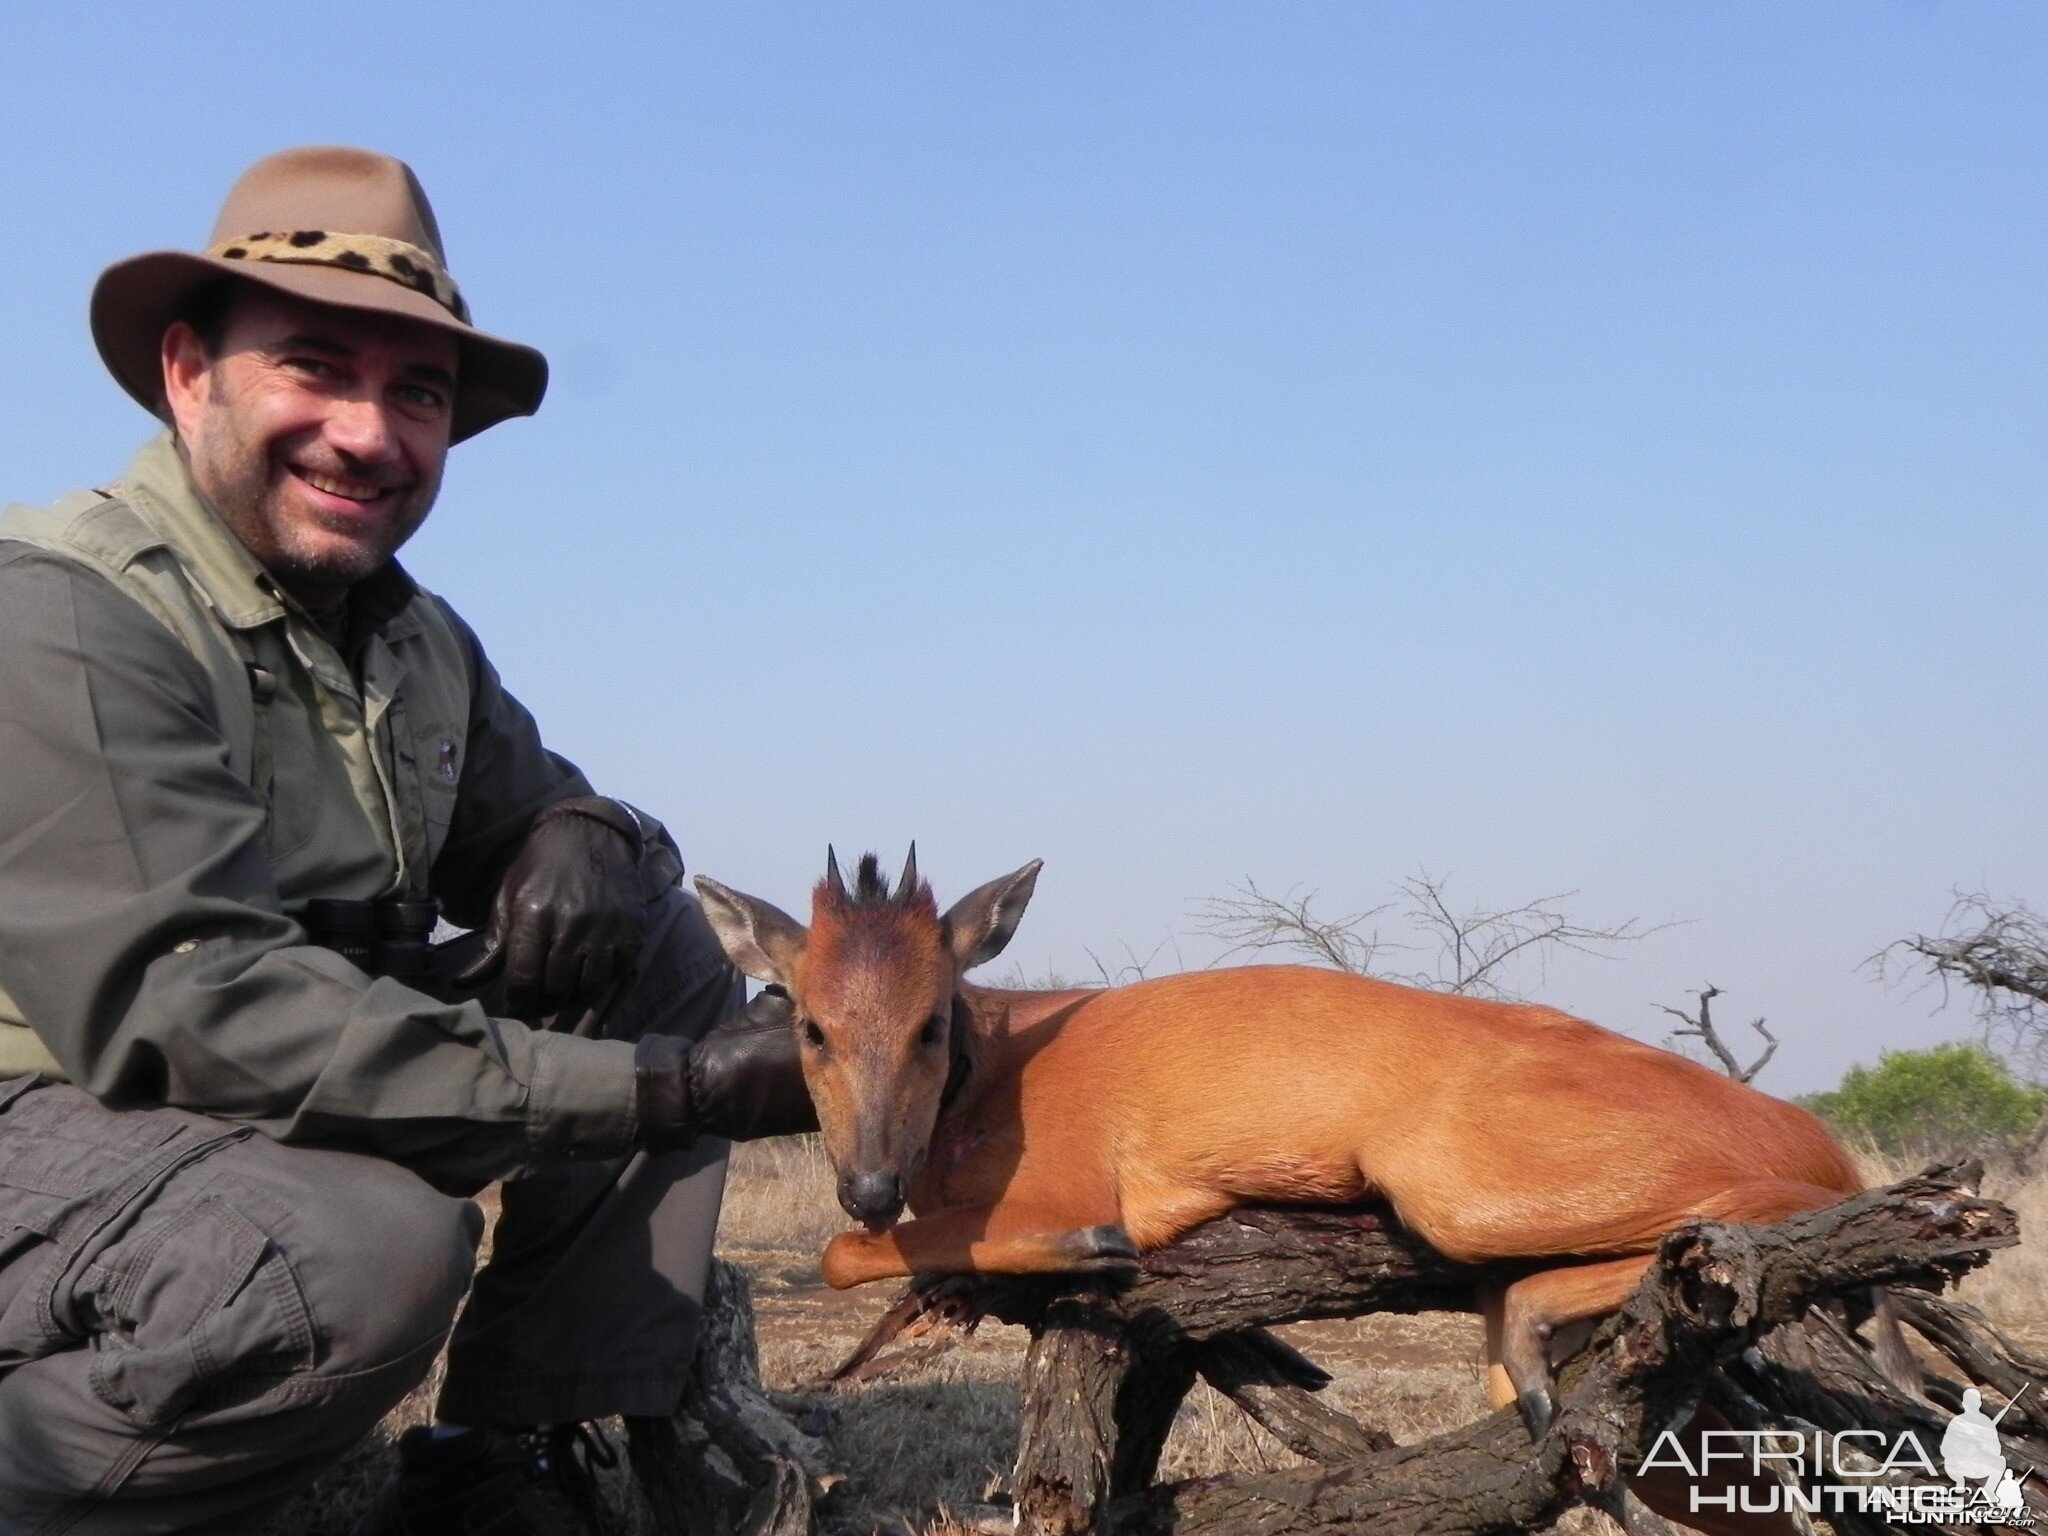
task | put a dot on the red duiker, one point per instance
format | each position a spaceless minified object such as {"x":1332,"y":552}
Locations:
{"x":1033,"y":1130}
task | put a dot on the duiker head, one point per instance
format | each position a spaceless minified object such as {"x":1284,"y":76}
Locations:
{"x":873,"y":979}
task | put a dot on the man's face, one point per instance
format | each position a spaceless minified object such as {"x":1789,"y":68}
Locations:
{"x":317,"y":433}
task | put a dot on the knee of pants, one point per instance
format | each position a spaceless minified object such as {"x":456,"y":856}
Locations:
{"x":384,"y":1261}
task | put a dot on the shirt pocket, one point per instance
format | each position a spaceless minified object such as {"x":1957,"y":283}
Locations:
{"x":435,"y":744}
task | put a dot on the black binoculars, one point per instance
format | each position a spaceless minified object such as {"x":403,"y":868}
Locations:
{"x":382,"y":938}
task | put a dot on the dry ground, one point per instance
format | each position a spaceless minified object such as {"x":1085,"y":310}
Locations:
{"x":940,"y":1437}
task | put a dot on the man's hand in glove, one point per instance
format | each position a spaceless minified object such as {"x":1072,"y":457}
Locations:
{"x":570,"y":914}
{"x":742,"y":1081}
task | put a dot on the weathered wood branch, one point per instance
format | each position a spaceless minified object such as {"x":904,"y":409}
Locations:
{"x":1080,"y":1357}
{"x":1983,"y":1354}
{"x":1821,"y":1376}
{"x":1255,"y":1267}
{"x":1700,"y":1026}
{"x":1273,"y":1384}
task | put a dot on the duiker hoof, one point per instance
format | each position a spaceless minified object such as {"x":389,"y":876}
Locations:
{"x":1100,"y":1250}
{"x":1537,"y":1412}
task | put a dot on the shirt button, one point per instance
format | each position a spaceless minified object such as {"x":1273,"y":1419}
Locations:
{"x":184,"y":947}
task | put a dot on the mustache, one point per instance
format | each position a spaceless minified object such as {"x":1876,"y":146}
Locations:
{"x":374,"y":477}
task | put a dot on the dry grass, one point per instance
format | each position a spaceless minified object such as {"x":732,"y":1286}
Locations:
{"x":940,"y":1438}
{"x":779,"y":1199}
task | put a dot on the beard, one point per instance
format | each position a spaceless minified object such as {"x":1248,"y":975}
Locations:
{"x":306,"y":550}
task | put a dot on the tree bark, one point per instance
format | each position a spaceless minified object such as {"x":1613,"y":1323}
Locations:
{"x":1074,"y":1373}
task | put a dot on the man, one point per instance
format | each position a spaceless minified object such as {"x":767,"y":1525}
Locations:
{"x":241,"y":755}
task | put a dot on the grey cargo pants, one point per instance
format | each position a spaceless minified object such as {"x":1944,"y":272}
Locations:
{"x":195,"y":1320}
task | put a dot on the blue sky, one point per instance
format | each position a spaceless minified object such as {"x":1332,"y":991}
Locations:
{"x":1560,"y":446}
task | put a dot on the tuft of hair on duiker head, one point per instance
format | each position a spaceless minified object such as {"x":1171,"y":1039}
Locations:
{"x":870,"y":890}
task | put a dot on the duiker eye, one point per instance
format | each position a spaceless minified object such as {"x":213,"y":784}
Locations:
{"x":814,"y":1036}
{"x":933,"y":1031}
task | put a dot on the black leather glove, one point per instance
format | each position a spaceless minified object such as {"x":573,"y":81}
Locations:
{"x":570,"y":913}
{"x":742,"y":1081}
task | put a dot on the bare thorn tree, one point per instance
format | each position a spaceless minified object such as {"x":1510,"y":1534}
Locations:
{"x":1251,"y":920}
{"x":1700,"y":1026}
{"x":1468,"y":952}
{"x":1132,"y":969}
{"x":1999,"y":949}
{"x":1473,"y":948}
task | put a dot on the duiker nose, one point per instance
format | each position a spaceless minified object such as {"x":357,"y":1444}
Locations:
{"x":874,"y":1197}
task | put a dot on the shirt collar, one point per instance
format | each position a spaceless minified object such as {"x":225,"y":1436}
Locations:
{"x":159,"y":486}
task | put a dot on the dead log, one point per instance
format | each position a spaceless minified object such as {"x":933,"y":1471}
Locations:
{"x":1759,"y":1322}
{"x":1273,"y":1384}
{"x":1713,"y":1293}
{"x":1983,"y":1354}
{"x":1107,"y":1369}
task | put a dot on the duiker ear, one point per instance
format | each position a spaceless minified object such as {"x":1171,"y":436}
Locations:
{"x":981,"y":922}
{"x":763,"y":941}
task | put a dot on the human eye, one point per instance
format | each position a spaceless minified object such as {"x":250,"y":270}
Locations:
{"x":423,"y":399}
{"x":311,"y":367}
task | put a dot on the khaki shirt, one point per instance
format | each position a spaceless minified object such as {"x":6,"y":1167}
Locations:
{"x":188,"y":759}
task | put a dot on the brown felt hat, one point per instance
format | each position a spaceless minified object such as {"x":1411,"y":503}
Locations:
{"x":340,"y":226}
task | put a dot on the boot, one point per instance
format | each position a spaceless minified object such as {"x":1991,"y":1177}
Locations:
{"x":492,"y":1482}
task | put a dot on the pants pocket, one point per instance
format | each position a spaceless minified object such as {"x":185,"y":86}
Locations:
{"x":12,"y":1088}
{"x":200,"y":1311}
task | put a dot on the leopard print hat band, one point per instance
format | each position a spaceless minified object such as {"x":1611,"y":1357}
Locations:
{"x":378,"y":255}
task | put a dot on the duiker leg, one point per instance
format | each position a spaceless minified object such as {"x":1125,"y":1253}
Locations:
{"x":990,"y":1239}
{"x":1535,"y":1308}
{"x":1667,"y":1490}
{"x":1492,"y":1306}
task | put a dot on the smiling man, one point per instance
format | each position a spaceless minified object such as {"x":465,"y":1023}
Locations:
{"x":247,"y":763}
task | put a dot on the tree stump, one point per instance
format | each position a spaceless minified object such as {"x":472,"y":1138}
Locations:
{"x":1755,"y":1320}
{"x":729,"y":1461}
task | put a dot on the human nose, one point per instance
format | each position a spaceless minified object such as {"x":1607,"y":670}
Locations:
{"x":362,"y":429}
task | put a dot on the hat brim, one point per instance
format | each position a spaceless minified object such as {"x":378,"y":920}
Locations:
{"x":136,"y":300}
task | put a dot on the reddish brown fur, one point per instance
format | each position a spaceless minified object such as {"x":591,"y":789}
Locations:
{"x":1495,"y":1130}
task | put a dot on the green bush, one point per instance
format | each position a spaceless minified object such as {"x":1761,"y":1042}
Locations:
{"x":1951,"y":1098}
